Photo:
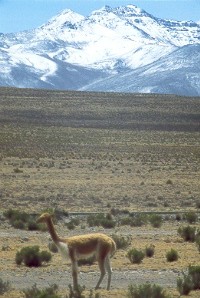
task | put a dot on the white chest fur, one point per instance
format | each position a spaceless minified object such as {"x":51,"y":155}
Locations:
{"x":63,"y":250}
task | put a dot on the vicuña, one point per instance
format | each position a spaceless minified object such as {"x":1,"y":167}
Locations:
{"x":81,"y":247}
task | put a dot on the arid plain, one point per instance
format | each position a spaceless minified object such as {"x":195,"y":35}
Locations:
{"x":100,"y":152}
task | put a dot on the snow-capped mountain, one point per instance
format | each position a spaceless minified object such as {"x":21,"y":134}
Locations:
{"x":177,"y":72}
{"x":76,"y":52}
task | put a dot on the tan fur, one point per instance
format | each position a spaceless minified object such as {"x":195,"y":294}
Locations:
{"x":82,"y":246}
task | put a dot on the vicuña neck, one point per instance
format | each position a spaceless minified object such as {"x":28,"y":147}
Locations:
{"x":52,"y":230}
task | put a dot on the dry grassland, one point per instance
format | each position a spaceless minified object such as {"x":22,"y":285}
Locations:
{"x":78,"y":151}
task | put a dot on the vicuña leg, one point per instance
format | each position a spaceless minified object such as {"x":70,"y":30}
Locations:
{"x":102,"y":270}
{"x":75,"y":275}
{"x":109,"y":270}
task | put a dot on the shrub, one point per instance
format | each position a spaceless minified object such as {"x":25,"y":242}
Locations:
{"x":194,"y":272}
{"x":34,"y":292}
{"x":4,"y":286}
{"x":17,"y":171}
{"x":18,"y":224}
{"x":155,"y":220}
{"x":33,"y":226}
{"x":73,"y":223}
{"x":149,"y":251}
{"x":187,"y":233}
{"x":45,"y":256}
{"x":121,"y":241}
{"x":191,"y":217}
{"x":139,"y":220}
{"x":184,"y":285}
{"x":16,"y":215}
{"x":86,"y":261}
{"x":100,"y":220}
{"x":146,"y":291}
{"x":31,"y":256}
{"x":22,"y":220}
{"x":126,"y":221}
{"x":169,"y":182}
{"x":172,"y":255}
{"x":79,"y":293}
{"x":198,"y":204}
{"x":135,"y":256}
{"x":190,"y":281}
{"x":178,"y":217}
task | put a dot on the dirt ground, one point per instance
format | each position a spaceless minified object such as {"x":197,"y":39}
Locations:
{"x":154,"y":270}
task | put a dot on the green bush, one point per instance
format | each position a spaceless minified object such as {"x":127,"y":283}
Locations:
{"x":187,"y":233}
{"x":134,"y":220}
{"x":22,"y":220}
{"x":100,"y":220}
{"x":4,"y":286}
{"x":172,"y":255}
{"x":126,"y":221}
{"x":79,"y":293}
{"x":34,"y":292}
{"x":194,"y":272}
{"x":86,"y":261}
{"x":190,"y":281}
{"x":149,"y":251}
{"x":122,"y":242}
{"x":32,"y":225}
{"x":155,"y":220}
{"x":191,"y":217}
{"x":146,"y":291}
{"x":31,"y":256}
{"x":18,"y":224}
{"x":45,"y":256}
{"x":73,"y":223}
{"x":184,"y":285}
{"x":139,"y":220}
{"x":135,"y":256}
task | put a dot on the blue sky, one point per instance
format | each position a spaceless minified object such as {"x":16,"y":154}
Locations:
{"x":18,"y":15}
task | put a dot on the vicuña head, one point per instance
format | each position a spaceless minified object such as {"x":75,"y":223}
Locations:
{"x":44,"y":217}
{"x":83,"y":246}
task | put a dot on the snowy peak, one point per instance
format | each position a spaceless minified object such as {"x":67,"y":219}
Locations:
{"x":122,"y":11}
{"x":130,"y":11}
{"x":66,"y":18}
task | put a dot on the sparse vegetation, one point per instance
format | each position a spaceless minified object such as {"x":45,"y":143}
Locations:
{"x":22,"y":220}
{"x":190,"y":280}
{"x":101,"y":220}
{"x":4,"y":286}
{"x":194,"y":272}
{"x":31,"y":256}
{"x":150,"y":250}
{"x":188,"y":233}
{"x":122,"y":242}
{"x":146,"y":290}
{"x":34,"y":292}
{"x":96,"y":152}
{"x":172,"y":255}
{"x":155,"y":220}
{"x":135,"y":256}
{"x":191,"y":217}
{"x":184,"y":285}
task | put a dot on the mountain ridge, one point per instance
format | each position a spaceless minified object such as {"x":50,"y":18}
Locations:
{"x":109,"y":42}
